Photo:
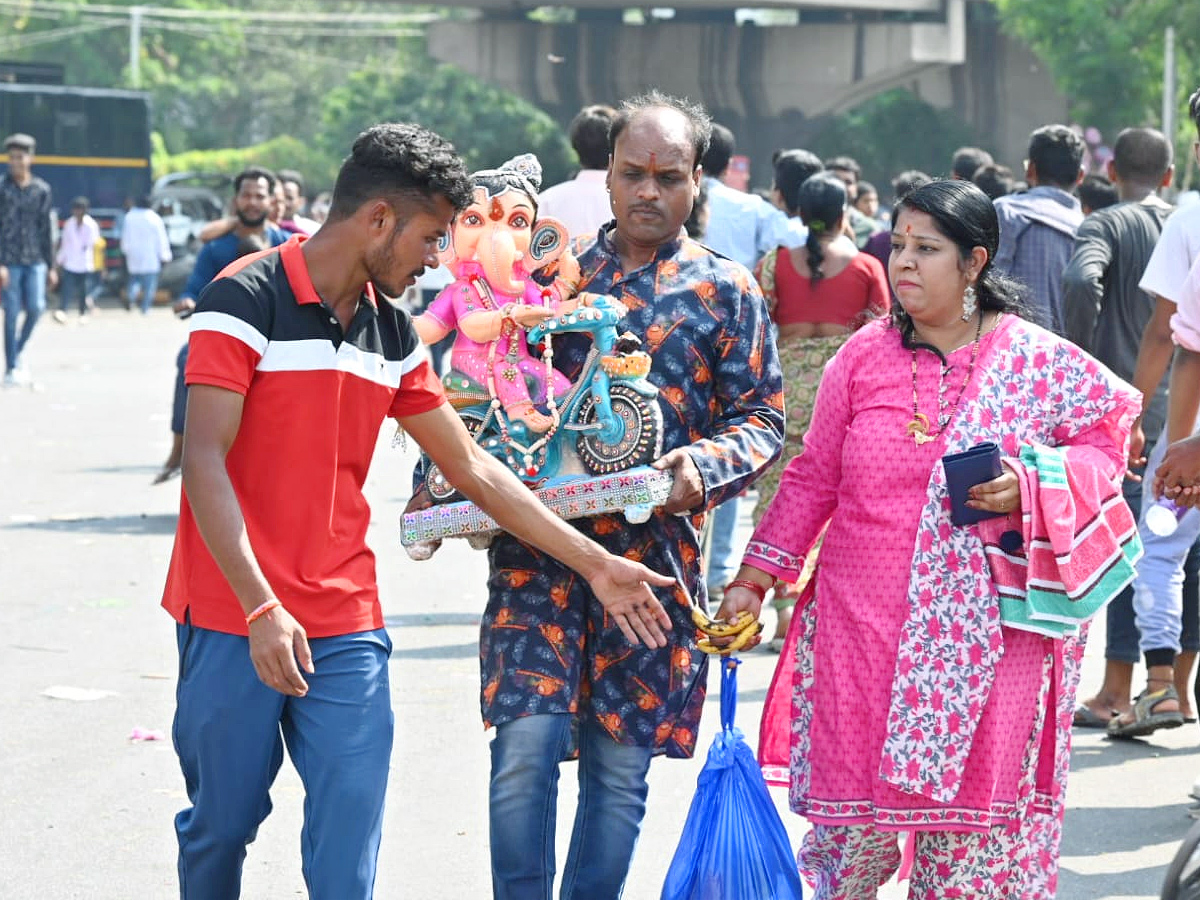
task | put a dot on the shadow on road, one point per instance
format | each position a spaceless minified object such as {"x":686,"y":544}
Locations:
{"x":427,"y":620}
{"x":1137,"y":883}
{"x":1118,"y":752}
{"x":161,"y":523}
{"x":1093,"y":831}
{"x":122,"y":470}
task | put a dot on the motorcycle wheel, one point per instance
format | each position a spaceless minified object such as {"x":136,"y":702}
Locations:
{"x":640,"y":441}
{"x":439,"y":487}
{"x":1182,"y":881}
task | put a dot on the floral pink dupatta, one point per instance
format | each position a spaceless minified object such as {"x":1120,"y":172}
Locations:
{"x":1031,"y":388}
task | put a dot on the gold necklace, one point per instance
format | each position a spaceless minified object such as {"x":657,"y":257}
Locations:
{"x":919,"y":426}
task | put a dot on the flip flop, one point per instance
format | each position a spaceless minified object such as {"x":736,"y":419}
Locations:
{"x":1145,"y":719}
{"x":1086,"y":717}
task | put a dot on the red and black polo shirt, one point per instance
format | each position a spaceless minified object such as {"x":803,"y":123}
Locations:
{"x":315,"y":399}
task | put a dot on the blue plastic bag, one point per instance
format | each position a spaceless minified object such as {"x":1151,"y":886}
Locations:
{"x":733,"y":845}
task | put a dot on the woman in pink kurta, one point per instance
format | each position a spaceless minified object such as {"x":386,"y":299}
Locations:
{"x":907,"y":702}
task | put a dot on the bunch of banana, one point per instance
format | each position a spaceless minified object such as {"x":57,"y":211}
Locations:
{"x":742,"y":629}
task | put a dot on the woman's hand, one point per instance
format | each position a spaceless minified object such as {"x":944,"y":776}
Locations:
{"x":1000,"y":495}
{"x":739,"y":598}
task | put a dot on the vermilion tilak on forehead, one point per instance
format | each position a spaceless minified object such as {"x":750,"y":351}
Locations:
{"x":908,"y":229}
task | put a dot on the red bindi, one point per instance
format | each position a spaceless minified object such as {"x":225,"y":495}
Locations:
{"x":908,"y":229}
{"x":496,"y":213}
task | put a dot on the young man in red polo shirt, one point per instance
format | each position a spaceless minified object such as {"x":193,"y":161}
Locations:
{"x":293,"y":365}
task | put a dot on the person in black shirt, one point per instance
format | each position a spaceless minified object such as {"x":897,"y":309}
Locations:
{"x":26,"y":251}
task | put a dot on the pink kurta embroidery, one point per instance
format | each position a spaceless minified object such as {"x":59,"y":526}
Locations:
{"x":909,"y":697}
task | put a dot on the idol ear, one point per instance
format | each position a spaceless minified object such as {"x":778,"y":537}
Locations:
{"x":547,"y":242}
{"x":445,"y":248}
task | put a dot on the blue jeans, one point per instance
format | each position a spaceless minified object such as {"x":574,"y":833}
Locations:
{"x":26,"y":292}
{"x":73,"y":286}
{"x":143,"y":284}
{"x":229,"y":732}
{"x":722,"y":560}
{"x":179,"y":397}
{"x":526,"y":753}
{"x":1158,"y":588}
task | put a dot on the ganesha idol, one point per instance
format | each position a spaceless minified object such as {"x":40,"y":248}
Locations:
{"x":494,"y":248}
{"x":583,"y":447}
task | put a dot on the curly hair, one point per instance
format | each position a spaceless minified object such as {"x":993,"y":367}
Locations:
{"x":400,"y":162}
{"x":698,"y":118}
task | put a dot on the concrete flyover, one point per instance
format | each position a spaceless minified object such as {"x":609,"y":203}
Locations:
{"x":772,"y":74}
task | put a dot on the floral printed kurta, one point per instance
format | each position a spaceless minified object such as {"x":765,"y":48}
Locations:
{"x":546,"y":644}
{"x":914,"y":706}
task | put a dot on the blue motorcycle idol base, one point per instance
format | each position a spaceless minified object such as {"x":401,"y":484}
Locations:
{"x":607,"y":427}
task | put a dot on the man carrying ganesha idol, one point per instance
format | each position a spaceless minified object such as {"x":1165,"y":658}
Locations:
{"x":559,"y":681}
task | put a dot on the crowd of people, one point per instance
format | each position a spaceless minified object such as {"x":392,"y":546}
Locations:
{"x":1047,"y":330}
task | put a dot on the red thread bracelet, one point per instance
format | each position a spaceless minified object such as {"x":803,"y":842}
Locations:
{"x":261,"y":611}
{"x":749,"y":585}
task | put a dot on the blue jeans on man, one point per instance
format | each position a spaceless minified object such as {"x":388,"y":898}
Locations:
{"x":722,"y":559}
{"x":1158,"y":588}
{"x":75,"y":287}
{"x":230,"y":730}
{"x":26,"y":293}
{"x":141,"y":288}
{"x":526,"y":754}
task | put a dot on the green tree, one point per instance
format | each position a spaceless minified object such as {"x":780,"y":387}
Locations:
{"x":1107,"y":55}
{"x":216,"y":81}
{"x":486,"y":124}
{"x":931,"y":136}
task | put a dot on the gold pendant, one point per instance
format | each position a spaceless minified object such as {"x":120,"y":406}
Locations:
{"x":919,"y":429}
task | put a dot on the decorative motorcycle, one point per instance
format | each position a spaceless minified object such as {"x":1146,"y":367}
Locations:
{"x":607,"y":421}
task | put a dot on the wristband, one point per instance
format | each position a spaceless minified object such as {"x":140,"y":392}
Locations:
{"x":750,"y":586}
{"x":261,"y":611}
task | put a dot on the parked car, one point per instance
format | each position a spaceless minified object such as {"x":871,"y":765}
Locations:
{"x":187,"y":201}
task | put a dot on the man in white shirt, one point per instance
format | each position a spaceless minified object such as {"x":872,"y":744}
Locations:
{"x":582,"y":204}
{"x":1171,"y":333}
{"x":145,"y":245}
{"x":77,"y":258}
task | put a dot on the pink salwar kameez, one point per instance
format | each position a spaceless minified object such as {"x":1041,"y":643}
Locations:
{"x":905,"y":703}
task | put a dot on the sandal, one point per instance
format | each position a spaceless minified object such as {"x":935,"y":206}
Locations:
{"x":1086,"y":717}
{"x":1145,"y":719}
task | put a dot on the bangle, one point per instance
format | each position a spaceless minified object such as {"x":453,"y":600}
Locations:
{"x":261,"y":611}
{"x":750,"y":586}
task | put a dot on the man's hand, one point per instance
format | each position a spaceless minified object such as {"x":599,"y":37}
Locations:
{"x":277,"y":643}
{"x":1178,"y":474}
{"x":687,"y":492}
{"x":3,"y":277}
{"x":184,"y":307}
{"x":622,"y":587}
{"x":418,"y":501}
{"x":51,"y":278}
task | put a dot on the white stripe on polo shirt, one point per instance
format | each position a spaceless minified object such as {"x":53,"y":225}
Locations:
{"x":232,"y":326}
{"x":320,"y":355}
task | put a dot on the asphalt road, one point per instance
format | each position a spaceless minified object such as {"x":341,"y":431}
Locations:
{"x":85,"y":812}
